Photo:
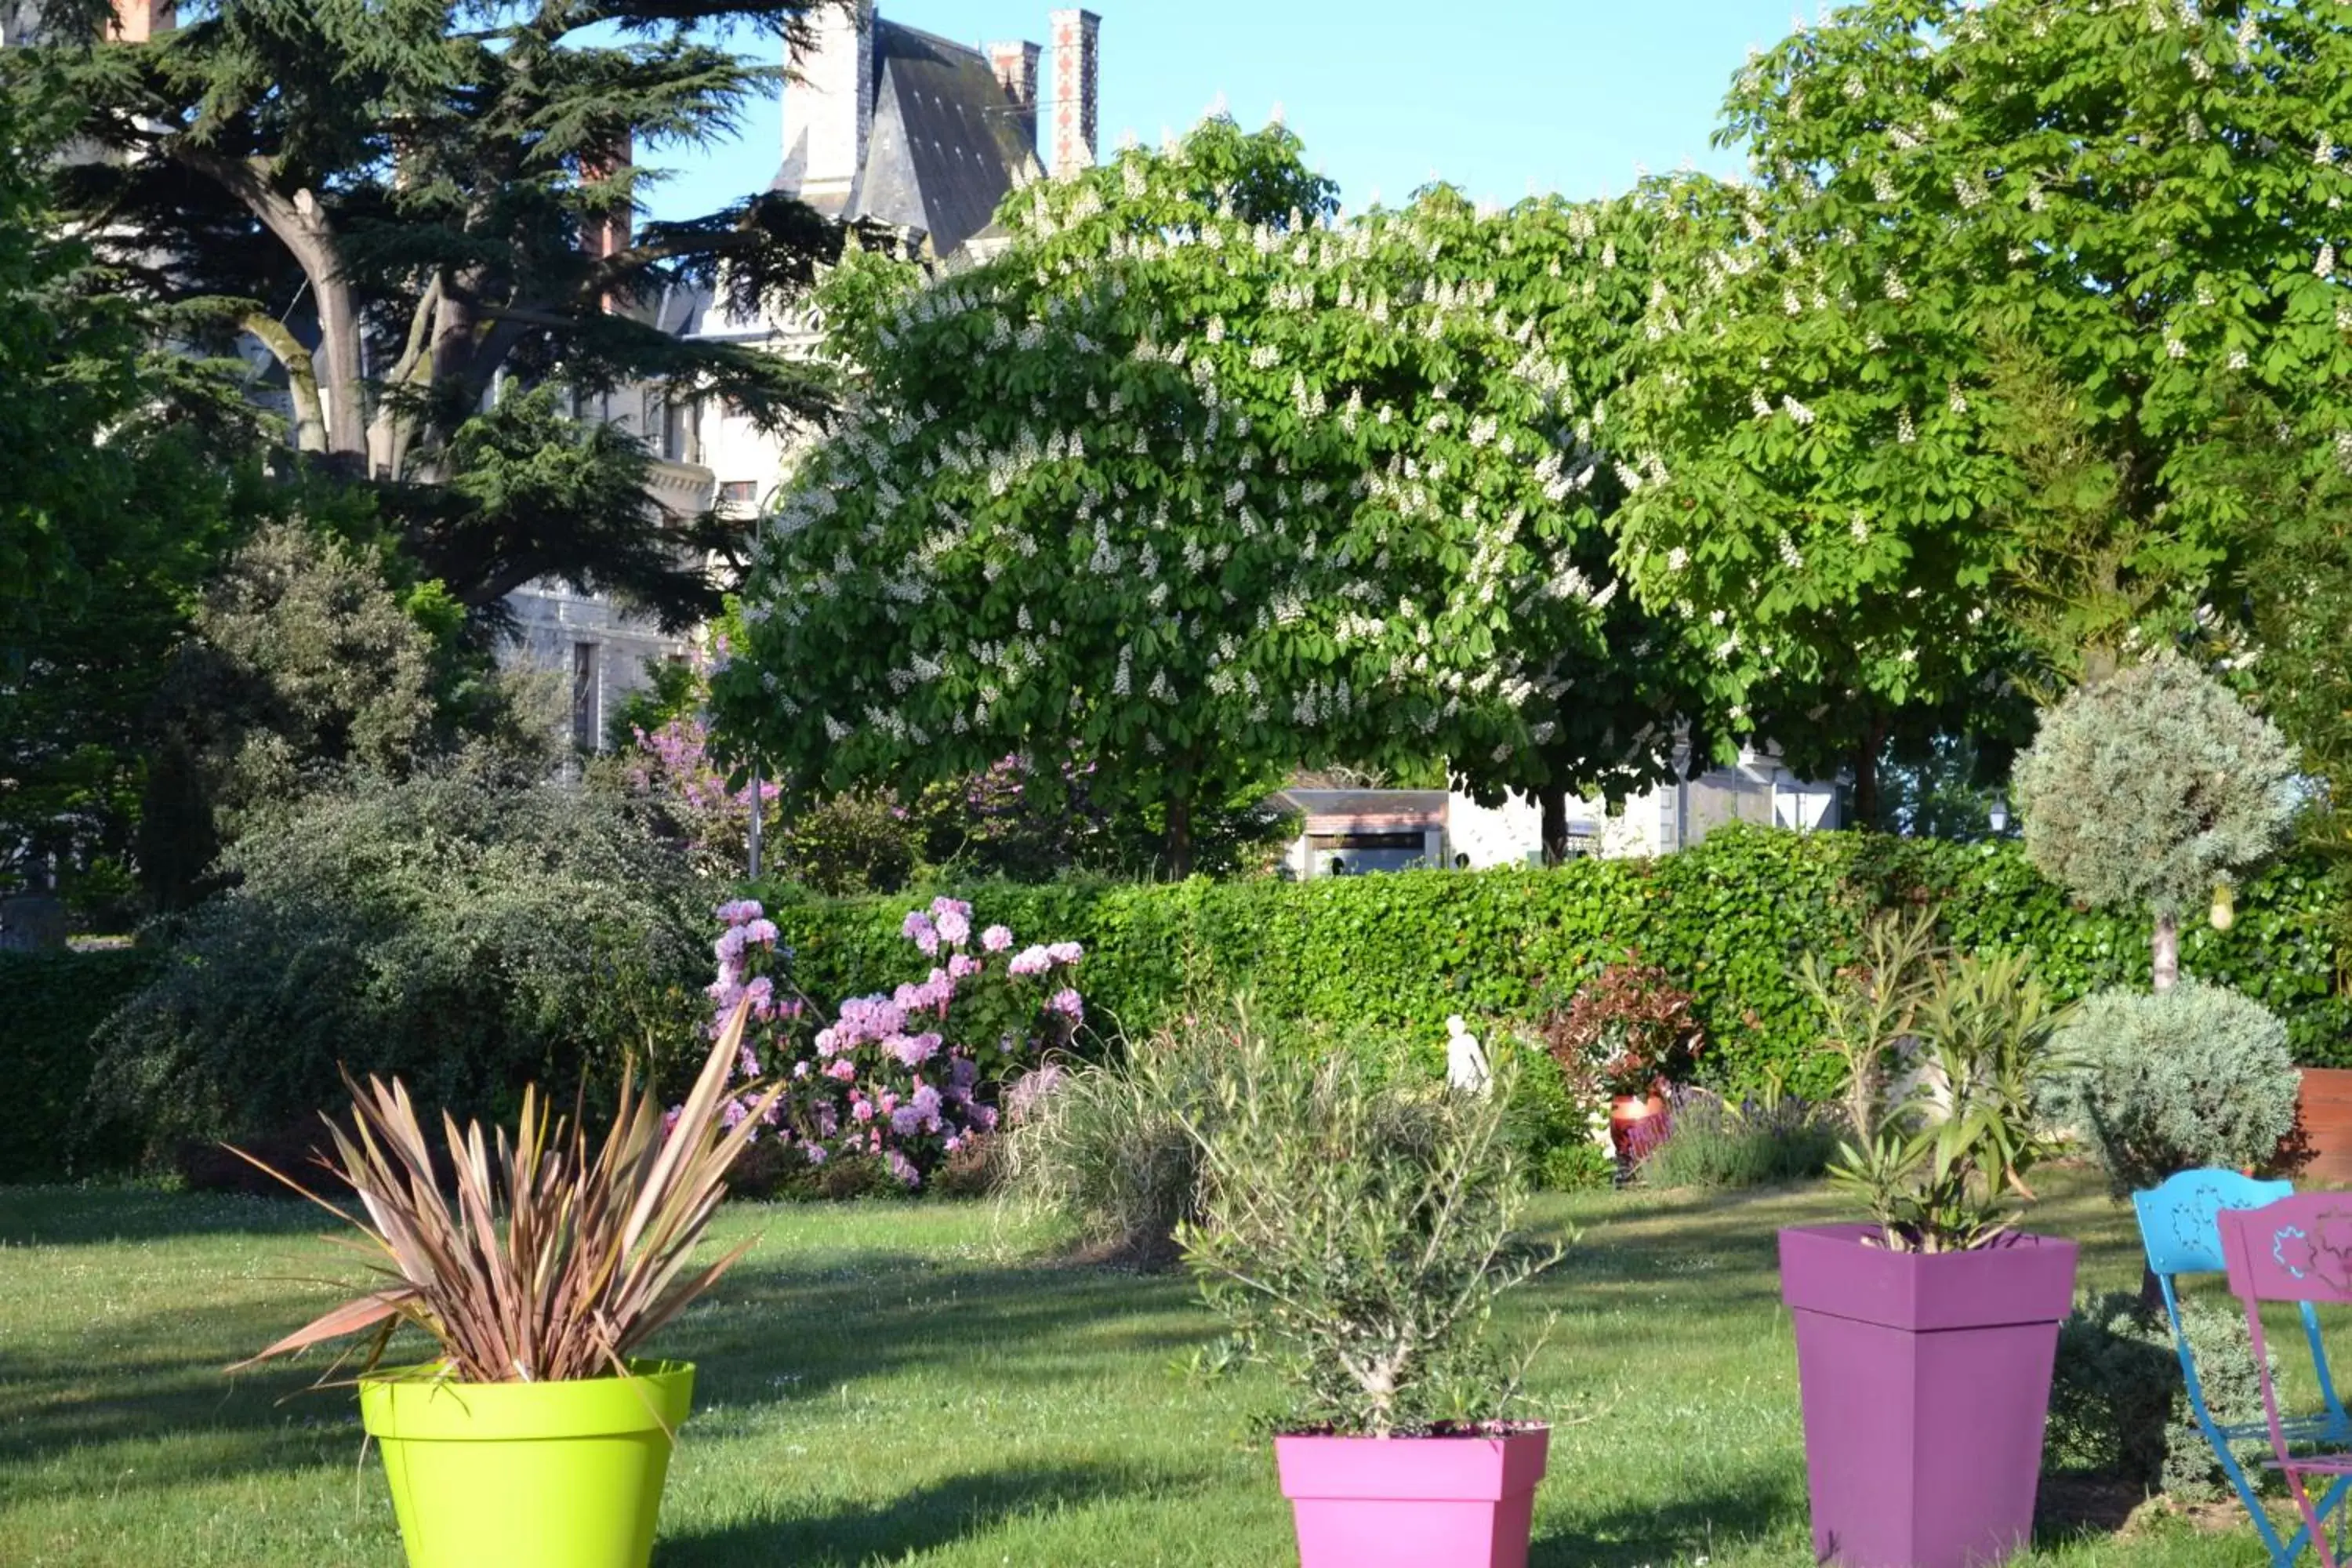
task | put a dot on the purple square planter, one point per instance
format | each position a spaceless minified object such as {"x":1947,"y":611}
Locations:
{"x":1925,"y":1382}
{"x":1413,"y":1502}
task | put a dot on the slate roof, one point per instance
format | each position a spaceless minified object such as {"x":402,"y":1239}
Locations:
{"x":946,"y":140}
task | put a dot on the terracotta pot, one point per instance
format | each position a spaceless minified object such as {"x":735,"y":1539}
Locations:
{"x":1413,"y":1502}
{"x":2320,"y":1148}
{"x":1925,"y":1380}
{"x":1628,"y":1133}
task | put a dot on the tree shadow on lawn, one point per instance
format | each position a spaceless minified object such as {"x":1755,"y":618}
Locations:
{"x":924,"y":1520}
{"x":1675,"y":1530}
{"x":774,"y":1335}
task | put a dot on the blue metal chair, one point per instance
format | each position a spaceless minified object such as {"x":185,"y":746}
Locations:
{"x":2178,"y":1228}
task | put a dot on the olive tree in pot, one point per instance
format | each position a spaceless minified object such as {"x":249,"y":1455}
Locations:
{"x":1357,"y":1236}
{"x":538,"y":1264}
{"x":1924,"y":1337}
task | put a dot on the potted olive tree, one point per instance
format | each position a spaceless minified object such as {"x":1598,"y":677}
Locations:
{"x":1924,"y":1337}
{"x":538,"y":1264}
{"x":1357,"y":1236}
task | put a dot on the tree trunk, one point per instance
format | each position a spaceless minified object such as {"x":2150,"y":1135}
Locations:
{"x":1553,"y":800}
{"x":1866,"y":785}
{"x":2166,"y":947}
{"x":1180,"y":837}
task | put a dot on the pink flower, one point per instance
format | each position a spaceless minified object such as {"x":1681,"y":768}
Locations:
{"x":841,"y":1070}
{"x":962,"y":966}
{"x":996,"y":938}
{"x":1066,"y":1003}
{"x":1030,"y":961}
{"x":862,"y":1110}
{"x":955,"y":927}
{"x":1066,"y":952}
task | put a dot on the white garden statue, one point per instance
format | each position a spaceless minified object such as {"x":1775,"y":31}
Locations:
{"x":1466,"y":1064}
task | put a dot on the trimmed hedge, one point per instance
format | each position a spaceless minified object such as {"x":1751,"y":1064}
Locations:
{"x":1391,"y":955}
{"x":51,"y":1005}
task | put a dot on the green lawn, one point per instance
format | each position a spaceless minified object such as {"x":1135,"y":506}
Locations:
{"x":916,"y":1383}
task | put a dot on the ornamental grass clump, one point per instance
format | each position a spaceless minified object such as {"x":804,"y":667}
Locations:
{"x":1109,"y":1150}
{"x":542,"y":1259}
{"x":1358,"y":1236}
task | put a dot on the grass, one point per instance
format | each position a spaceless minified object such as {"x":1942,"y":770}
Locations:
{"x":920,"y":1384}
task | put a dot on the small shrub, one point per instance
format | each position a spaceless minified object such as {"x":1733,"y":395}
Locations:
{"x":2169,"y":1081}
{"x":1630,"y":1030}
{"x":1357,"y":1236}
{"x":1712,"y":1142}
{"x":908,"y":1077}
{"x":2117,"y":1404}
{"x":463,"y":931}
{"x":56,"y":1002}
{"x":1946,"y":1164}
{"x":1111,"y":1150}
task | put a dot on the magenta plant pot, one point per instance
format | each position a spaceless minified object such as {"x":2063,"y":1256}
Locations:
{"x":1413,"y":1502}
{"x":1925,"y":1382}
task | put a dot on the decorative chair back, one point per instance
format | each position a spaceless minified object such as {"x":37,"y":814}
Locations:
{"x":2298,"y":1248}
{"x":2180,"y":1231}
{"x":2176,"y":1219}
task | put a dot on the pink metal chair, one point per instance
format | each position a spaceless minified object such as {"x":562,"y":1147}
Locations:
{"x":2298,"y":1249}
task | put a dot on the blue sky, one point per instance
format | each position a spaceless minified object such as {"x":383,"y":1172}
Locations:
{"x":1499,"y":97}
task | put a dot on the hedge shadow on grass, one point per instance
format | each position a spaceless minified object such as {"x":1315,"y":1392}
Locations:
{"x":96,"y":1216}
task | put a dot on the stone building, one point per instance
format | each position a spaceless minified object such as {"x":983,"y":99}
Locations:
{"x":882,"y":121}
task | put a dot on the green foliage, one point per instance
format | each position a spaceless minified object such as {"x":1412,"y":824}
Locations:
{"x":1961,"y":373}
{"x":1954,"y":1139}
{"x":1357,"y":1236}
{"x":1196,"y":485}
{"x":858,"y":842}
{"x":2153,"y":787}
{"x":48,"y":1052}
{"x":2119,"y":1407}
{"x":1712,"y":1142}
{"x":1110,"y":1149}
{"x":2195,"y":1076}
{"x":1867,"y":1007}
{"x":466,"y":932}
{"x":302,"y":660}
{"x":1395,"y":955}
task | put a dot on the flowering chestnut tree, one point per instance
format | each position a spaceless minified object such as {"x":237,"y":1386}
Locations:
{"x":1197,"y":484}
{"x":908,"y":1077}
{"x":1958,"y":375}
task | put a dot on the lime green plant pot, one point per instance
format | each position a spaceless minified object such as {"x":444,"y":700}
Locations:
{"x":527,"y":1475}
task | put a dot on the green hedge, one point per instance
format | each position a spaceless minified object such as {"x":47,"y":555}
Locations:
{"x":1393,"y":955}
{"x":51,"y":1005}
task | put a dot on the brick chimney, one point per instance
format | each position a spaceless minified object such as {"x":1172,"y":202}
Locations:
{"x":609,"y":236}
{"x":1015,"y":66}
{"x":136,"y":21}
{"x":1077,"y":68}
{"x":829,"y":108}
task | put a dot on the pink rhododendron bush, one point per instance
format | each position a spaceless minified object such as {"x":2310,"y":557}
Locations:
{"x":909,"y":1078}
